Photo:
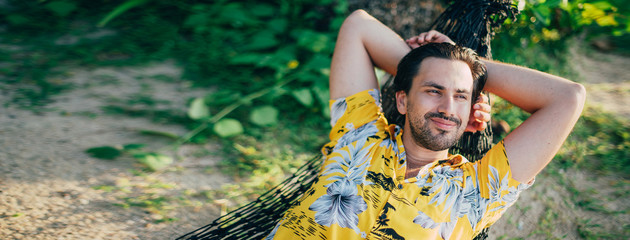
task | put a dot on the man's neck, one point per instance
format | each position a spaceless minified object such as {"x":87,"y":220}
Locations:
{"x":418,"y":156}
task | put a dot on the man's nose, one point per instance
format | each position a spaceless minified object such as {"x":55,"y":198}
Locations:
{"x":446,"y":106}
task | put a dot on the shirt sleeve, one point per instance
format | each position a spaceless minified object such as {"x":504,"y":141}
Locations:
{"x":353,"y":112}
{"x":496,"y":186}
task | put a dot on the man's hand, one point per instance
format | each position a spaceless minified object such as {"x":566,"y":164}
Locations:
{"x":479,"y":115}
{"x":428,"y":37}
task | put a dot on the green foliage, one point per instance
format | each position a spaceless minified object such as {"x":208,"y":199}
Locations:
{"x":168,"y":135}
{"x":303,"y":96}
{"x":61,"y":8}
{"x":600,"y":141}
{"x":264,"y":116}
{"x":504,"y":110}
{"x":121,"y":9}
{"x":105,"y":152}
{"x":244,"y":45}
{"x":198,"y":109}
{"x":147,"y":193}
{"x":152,"y":161}
{"x":228,"y":127}
{"x":550,"y":22}
{"x":594,"y":231}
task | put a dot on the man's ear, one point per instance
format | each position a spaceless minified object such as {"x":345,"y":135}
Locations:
{"x":401,"y":102}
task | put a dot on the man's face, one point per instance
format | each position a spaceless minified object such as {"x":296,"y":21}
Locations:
{"x":438,"y":104}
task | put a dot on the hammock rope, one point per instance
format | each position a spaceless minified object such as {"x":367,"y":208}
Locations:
{"x":468,"y":23}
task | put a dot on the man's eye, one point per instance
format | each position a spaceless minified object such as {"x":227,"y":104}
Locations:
{"x":462,"y":97}
{"x":433,"y":91}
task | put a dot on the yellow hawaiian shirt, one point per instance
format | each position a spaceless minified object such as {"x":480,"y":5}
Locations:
{"x":361,"y":192}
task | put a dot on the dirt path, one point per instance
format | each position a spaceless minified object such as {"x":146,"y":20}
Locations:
{"x":607,"y":80}
{"x":48,"y":181}
{"x":50,"y":186}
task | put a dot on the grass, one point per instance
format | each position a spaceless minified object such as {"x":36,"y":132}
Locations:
{"x":600,"y":142}
{"x":264,"y":156}
{"x":599,"y":146}
{"x":146,"y":192}
{"x":593,"y":231}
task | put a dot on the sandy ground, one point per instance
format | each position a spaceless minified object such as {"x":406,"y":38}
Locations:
{"x":48,"y":183}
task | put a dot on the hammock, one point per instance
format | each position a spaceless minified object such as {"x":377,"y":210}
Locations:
{"x":468,"y":23}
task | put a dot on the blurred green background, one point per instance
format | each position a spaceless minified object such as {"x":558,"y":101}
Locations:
{"x":265,"y":66}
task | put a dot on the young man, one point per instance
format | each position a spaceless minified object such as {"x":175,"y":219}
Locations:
{"x":382,"y":181}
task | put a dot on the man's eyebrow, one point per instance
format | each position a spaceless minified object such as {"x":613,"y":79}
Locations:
{"x":440,"y":87}
{"x":434,"y":85}
{"x":462,"y":91}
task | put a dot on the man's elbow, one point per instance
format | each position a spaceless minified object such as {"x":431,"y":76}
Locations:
{"x":359,"y":13}
{"x":576,"y":96}
{"x":356,"y":18}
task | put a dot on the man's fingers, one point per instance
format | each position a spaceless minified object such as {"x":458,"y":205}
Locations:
{"x":480,"y":126}
{"x":413,"y":42}
{"x":429,"y":36}
{"x":421,"y":38}
{"x":482,"y":98}
{"x":481,"y":116}
{"x":476,"y":126}
{"x":484,"y":107}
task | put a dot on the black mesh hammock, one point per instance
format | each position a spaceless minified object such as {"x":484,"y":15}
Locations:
{"x":467,"y":22}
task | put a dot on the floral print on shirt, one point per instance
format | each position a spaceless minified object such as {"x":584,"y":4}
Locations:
{"x":361,"y":192}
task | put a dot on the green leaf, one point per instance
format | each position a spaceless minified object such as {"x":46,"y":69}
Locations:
{"x":264,"y":116}
{"x":198,"y":109}
{"x":313,"y":41}
{"x":122,"y":8}
{"x":263,"y":10}
{"x":223,"y":96}
{"x":262,"y":40}
{"x":303,"y":96}
{"x":309,"y":77}
{"x":132,"y":146}
{"x":197,"y":19}
{"x":228,"y":127}
{"x":105,"y":152}
{"x":154,"y":161}
{"x":235,"y":15}
{"x":607,"y":20}
{"x":319,"y":62}
{"x":543,"y":14}
{"x":326,"y":112}
{"x":17,"y":19}
{"x":604,"y":5}
{"x":277,"y":25}
{"x":250,"y":58}
{"x":280,"y":59}
{"x":61,"y":8}
{"x":323,"y":95}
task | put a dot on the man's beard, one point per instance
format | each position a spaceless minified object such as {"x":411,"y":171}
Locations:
{"x":422,"y":135}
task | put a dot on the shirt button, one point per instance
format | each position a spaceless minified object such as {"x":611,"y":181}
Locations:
{"x":400,"y":186}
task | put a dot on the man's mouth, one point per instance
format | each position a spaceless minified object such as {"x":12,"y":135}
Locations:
{"x":444,"y":124}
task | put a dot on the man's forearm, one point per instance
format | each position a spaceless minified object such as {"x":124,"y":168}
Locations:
{"x":363,"y":43}
{"x":555,"y":103}
{"x":530,"y":89}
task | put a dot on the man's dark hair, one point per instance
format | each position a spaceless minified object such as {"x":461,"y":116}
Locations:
{"x":409,"y":67}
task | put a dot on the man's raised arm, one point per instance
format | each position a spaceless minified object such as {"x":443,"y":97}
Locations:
{"x":555,"y":104}
{"x":362,"y":43}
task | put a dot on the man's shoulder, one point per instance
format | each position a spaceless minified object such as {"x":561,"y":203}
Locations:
{"x":353,"y":113}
